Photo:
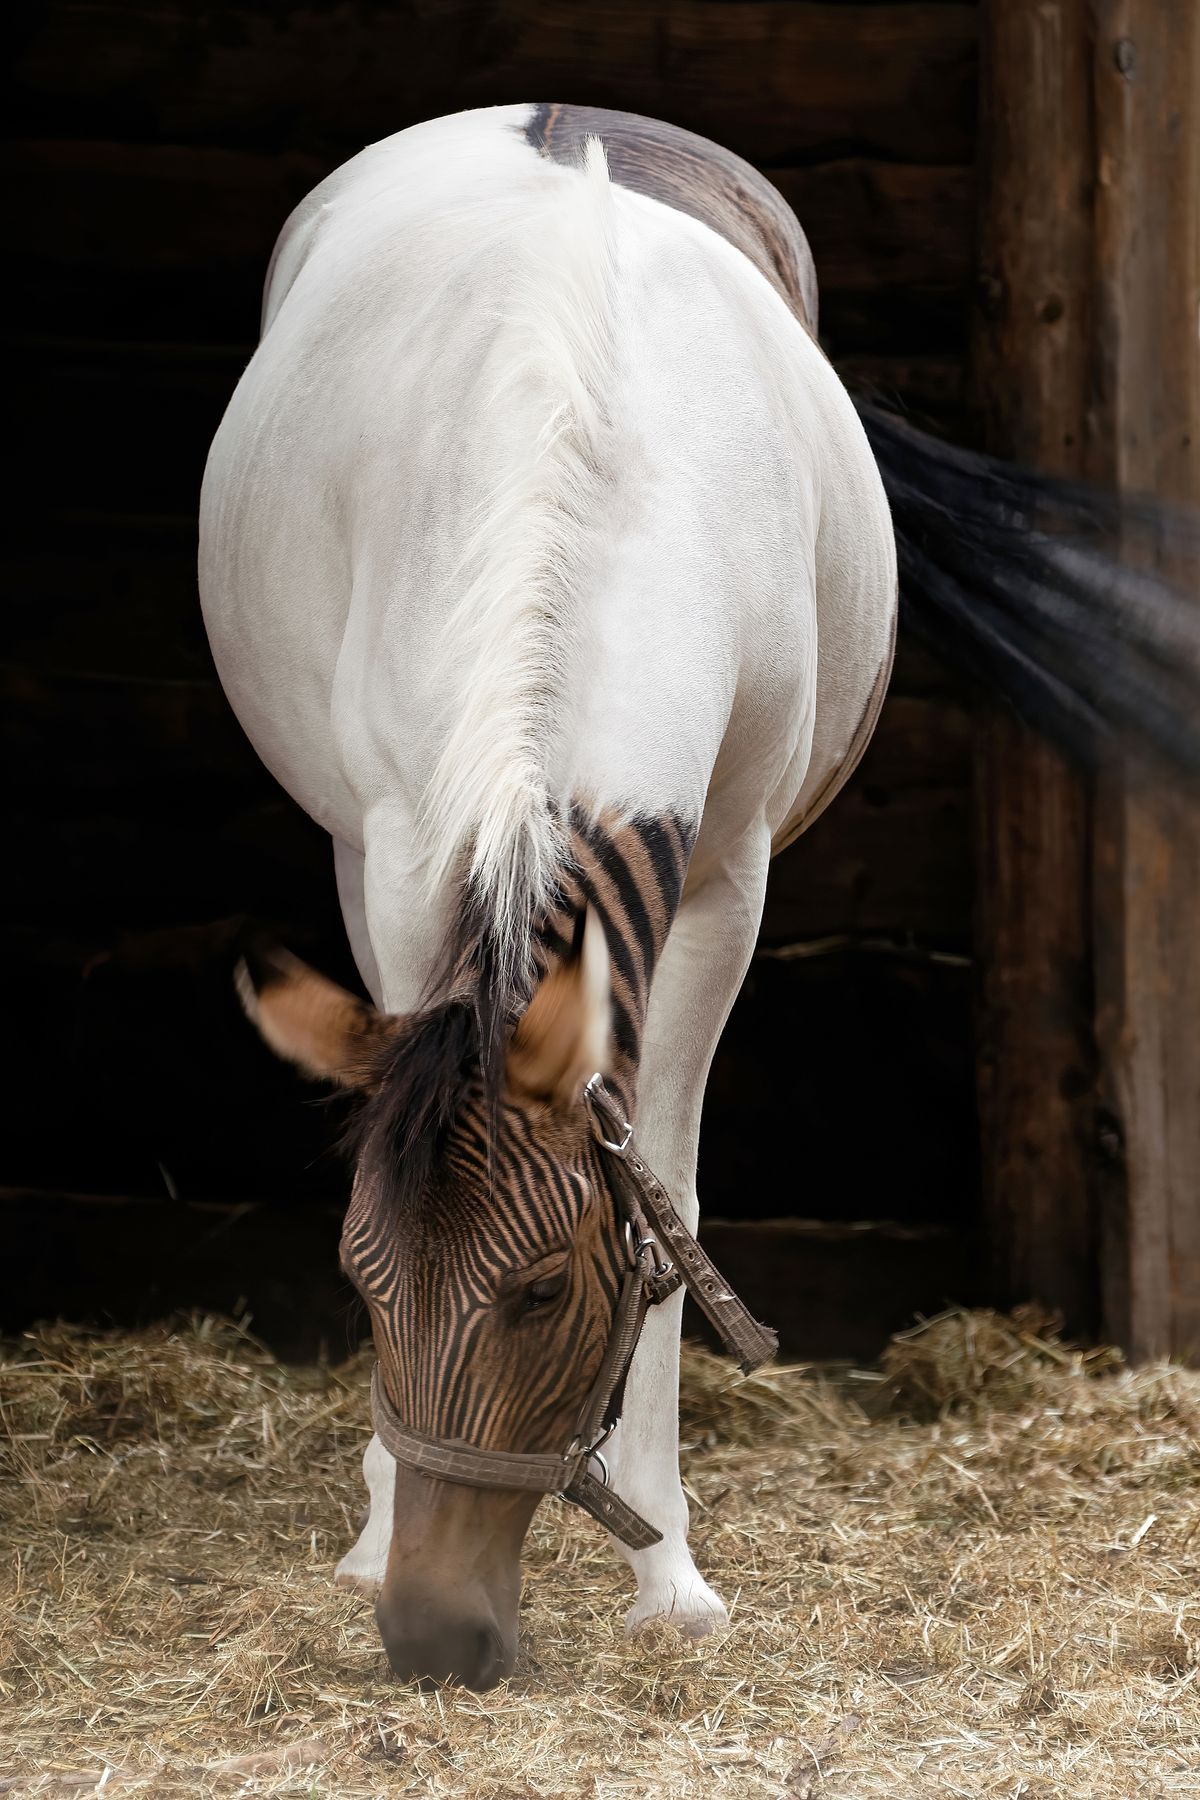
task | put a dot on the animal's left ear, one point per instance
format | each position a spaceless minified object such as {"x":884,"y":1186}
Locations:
{"x":310,"y":1020}
{"x":565,"y":1035}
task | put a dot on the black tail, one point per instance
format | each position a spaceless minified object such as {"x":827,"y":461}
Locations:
{"x":1045,"y":590}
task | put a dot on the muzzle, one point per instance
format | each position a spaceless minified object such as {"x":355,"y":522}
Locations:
{"x":663,"y":1256}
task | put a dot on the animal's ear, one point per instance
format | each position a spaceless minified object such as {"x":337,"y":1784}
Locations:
{"x":309,"y":1020}
{"x":565,"y":1034}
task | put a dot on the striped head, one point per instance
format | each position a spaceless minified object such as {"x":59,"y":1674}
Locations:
{"x":481,"y":1231}
{"x":483,"y":1238}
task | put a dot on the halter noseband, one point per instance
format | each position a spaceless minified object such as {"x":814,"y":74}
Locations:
{"x":664,"y":1256}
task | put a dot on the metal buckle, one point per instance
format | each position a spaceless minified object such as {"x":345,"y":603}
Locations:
{"x":663,"y":1266}
{"x":595,"y":1454}
{"x":575,"y":1448}
{"x":662,"y":1262}
{"x":596,"y":1095}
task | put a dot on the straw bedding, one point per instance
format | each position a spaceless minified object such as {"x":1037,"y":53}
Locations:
{"x":975,"y":1571}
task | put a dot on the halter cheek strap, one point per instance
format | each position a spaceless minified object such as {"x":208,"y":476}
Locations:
{"x":663,"y":1257}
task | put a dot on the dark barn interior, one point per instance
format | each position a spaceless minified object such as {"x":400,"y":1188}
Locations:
{"x":155,"y":1156}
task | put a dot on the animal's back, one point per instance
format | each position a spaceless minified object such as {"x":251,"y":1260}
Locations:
{"x":401,"y":382}
{"x":856,"y":588}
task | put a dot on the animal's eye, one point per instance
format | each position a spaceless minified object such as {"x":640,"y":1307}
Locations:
{"x":545,"y":1289}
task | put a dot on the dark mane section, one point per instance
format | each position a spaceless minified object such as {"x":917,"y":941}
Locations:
{"x":457,"y":1039}
{"x":418,"y":1087}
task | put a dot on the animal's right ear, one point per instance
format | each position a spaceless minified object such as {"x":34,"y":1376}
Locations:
{"x":311,"y":1021}
{"x":565,"y":1035}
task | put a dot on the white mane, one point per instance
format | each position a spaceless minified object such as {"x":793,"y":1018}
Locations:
{"x":512,"y":648}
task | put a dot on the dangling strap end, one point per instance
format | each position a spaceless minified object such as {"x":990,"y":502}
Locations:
{"x":757,"y":1345}
{"x":611,"y":1511}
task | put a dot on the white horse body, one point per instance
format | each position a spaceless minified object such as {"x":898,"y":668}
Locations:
{"x":482,"y":375}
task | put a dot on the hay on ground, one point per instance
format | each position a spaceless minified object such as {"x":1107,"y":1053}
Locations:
{"x":975,"y":1571}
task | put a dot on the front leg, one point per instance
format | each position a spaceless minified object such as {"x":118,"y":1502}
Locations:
{"x":697,"y":980}
{"x":644,"y":1459}
{"x":699,"y":974}
{"x":364,"y":1565}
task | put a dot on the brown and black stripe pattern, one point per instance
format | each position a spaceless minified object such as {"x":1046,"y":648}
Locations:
{"x":491,"y":1304}
{"x":481,"y":1231}
{"x":632,"y":871}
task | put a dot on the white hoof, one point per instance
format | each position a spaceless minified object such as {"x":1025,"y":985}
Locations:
{"x":689,"y":1605}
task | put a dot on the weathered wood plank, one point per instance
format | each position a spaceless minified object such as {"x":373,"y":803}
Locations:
{"x":918,"y":671}
{"x":165,"y":238}
{"x":197,"y":859}
{"x":111,"y":762}
{"x":124,"y":724}
{"x":1148,"y":1022}
{"x":893,"y":856}
{"x":1035,"y":1057}
{"x":175,"y":849}
{"x":142,"y":415}
{"x":115,"y":596}
{"x":1146,"y":83}
{"x":837,"y":1291}
{"x":152,"y":207}
{"x":1088,"y":361}
{"x":138,"y":427}
{"x":931,"y":385}
{"x":141,"y":1028}
{"x":141,"y":803}
{"x":127,"y":1052}
{"x":862,"y":1054}
{"x":126,"y":738}
{"x":831,"y":1291}
{"x":873,"y":224}
{"x":101,"y":600}
{"x":175,"y":238}
{"x":770,"y":81}
{"x":897,"y":869}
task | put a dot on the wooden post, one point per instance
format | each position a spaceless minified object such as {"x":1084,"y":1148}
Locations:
{"x":1031,"y":381}
{"x":1146,"y":84}
{"x":1087,"y":361}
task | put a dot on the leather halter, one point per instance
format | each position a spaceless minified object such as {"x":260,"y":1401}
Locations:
{"x":664,"y":1256}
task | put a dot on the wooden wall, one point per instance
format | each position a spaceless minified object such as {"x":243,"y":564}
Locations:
{"x":153,"y":154}
{"x":1088,"y":362}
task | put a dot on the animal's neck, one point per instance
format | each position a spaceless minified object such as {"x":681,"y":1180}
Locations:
{"x":631,"y":869}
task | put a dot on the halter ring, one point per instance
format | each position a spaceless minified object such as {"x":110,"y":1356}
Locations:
{"x":594,"y":1451}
